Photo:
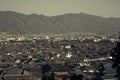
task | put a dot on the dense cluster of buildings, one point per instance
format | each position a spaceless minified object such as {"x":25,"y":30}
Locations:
{"x":56,"y":56}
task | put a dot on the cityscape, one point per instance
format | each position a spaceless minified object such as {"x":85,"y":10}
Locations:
{"x":59,"y":40}
{"x":48,"y":56}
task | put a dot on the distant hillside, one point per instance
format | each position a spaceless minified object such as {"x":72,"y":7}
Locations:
{"x":17,"y":22}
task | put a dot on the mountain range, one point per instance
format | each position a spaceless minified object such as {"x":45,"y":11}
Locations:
{"x":13,"y":22}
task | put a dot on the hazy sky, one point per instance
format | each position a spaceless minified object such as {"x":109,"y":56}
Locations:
{"x":105,"y":8}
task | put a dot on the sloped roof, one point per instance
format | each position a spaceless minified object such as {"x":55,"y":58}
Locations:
{"x":14,"y":71}
{"x":109,"y":76}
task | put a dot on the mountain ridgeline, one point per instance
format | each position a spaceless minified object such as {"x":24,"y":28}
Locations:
{"x":16,"y":22}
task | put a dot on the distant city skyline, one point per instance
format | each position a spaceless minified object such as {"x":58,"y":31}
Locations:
{"x":105,"y":8}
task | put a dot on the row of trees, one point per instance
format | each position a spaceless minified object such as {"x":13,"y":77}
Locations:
{"x":115,"y":53}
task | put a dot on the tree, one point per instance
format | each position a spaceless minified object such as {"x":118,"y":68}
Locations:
{"x":52,"y":76}
{"x":45,"y":71}
{"x":115,"y":53}
{"x":73,"y":76}
{"x":99,"y":70}
{"x":46,"y":68}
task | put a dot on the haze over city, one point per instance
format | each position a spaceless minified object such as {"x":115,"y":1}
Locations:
{"x":105,"y":8}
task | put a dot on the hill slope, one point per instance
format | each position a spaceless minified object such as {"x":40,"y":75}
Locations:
{"x":17,"y":22}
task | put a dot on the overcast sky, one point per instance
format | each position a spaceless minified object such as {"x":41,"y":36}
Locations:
{"x":105,"y":8}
